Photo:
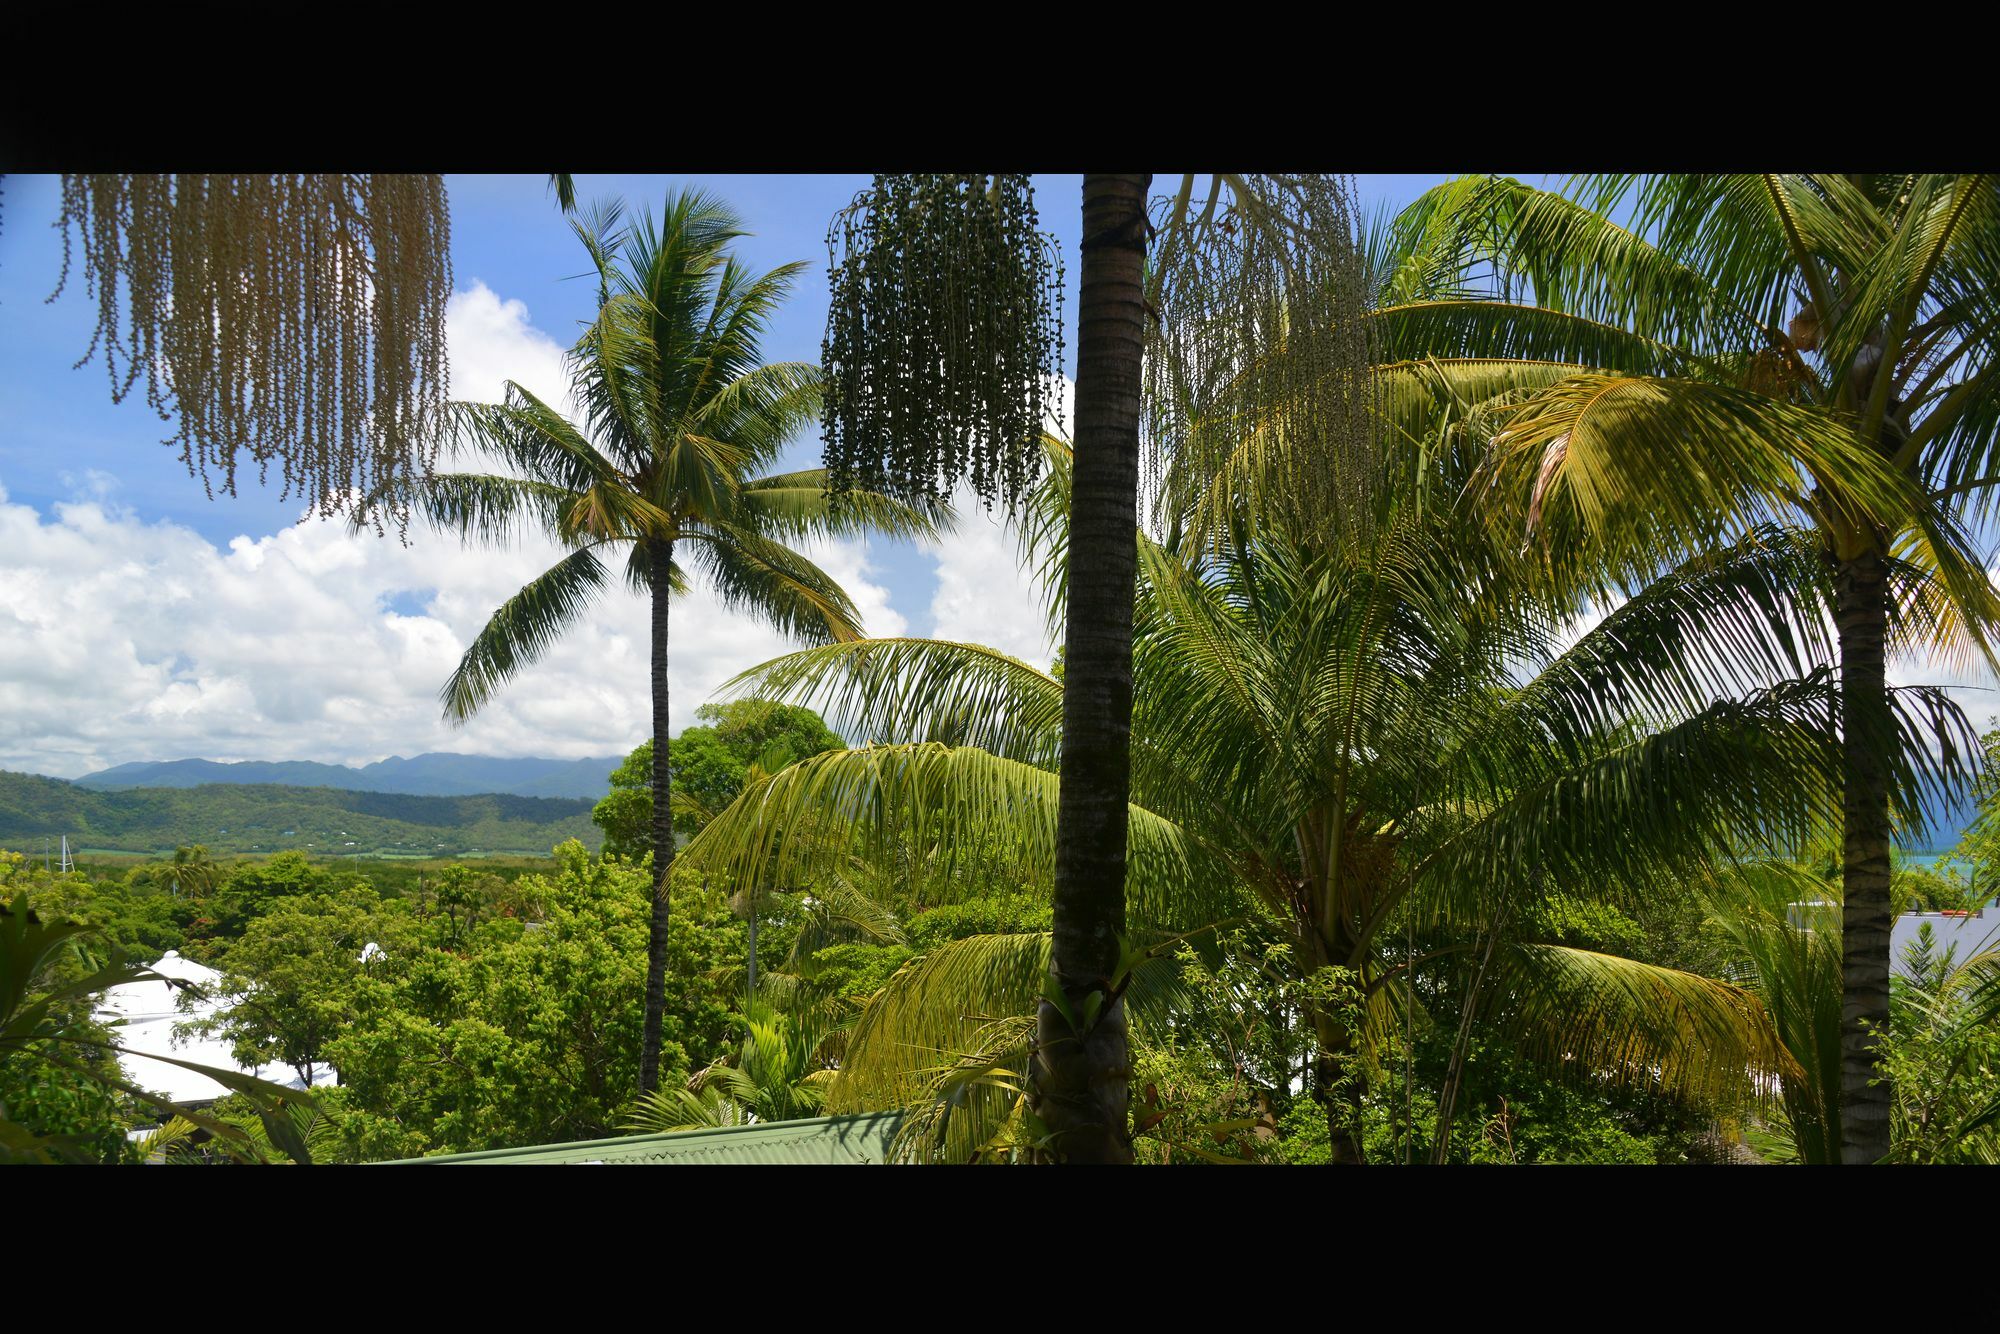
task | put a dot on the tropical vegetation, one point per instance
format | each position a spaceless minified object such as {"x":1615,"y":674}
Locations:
{"x":1477,"y":733}
{"x":679,"y":417}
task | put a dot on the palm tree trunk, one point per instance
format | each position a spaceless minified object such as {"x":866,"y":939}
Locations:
{"x":663,"y":829}
{"x":1861,"y":613}
{"x":1079,"y":1081}
{"x":1336,"y":1088}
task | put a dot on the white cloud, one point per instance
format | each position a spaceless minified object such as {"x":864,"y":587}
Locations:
{"x":984,"y":595}
{"x":492,"y":340}
{"x":123,"y":639}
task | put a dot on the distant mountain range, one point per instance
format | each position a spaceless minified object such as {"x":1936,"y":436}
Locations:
{"x":439,"y":774}
{"x":253,"y":817}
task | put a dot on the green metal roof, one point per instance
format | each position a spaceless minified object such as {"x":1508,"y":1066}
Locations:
{"x":828,"y":1140}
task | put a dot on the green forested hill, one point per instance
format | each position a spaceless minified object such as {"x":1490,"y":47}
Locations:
{"x":438,"y":774}
{"x":267,"y":818}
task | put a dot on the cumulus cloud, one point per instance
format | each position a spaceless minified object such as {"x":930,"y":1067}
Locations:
{"x":493,"y":340}
{"x":122,"y":640}
{"x":985,"y":593}
{"x":987,"y":590}
{"x":127,"y":639}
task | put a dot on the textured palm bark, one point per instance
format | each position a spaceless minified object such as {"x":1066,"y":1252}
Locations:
{"x":1337,"y":1089}
{"x":663,"y":830}
{"x":1338,"y":1076}
{"x":1080,"y":1079}
{"x":1861,"y":612}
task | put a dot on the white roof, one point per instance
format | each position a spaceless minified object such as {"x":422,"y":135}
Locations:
{"x":1966,"y":933}
{"x":150,"y":1010}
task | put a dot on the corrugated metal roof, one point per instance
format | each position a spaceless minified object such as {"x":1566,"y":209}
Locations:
{"x":829,"y":1140}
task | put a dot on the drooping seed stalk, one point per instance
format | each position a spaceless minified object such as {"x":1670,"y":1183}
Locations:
{"x":944,"y":338}
{"x":295,"y":320}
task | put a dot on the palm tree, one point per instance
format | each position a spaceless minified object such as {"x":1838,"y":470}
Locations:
{"x":774,"y":1077}
{"x":679,"y":416}
{"x":1819,"y":346}
{"x":1080,"y":1075}
{"x":1331,"y":737}
{"x":193,"y":872}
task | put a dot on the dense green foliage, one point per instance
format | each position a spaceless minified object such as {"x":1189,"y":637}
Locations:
{"x":63,"y":1097}
{"x":473,"y":1011}
{"x":1444,"y":846}
{"x":528,"y":1031}
{"x":260,"y":818}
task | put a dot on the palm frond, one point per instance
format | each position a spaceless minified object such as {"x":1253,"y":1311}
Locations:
{"x":806,"y":820}
{"x":902,"y":690}
{"x":753,"y":574}
{"x":797,"y":505}
{"x":522,"y":630}
{"x":1638,"y":1024}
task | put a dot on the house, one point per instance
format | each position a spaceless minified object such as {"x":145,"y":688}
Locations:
{"x":145,"y":1014}
{"x":1965,"y":933}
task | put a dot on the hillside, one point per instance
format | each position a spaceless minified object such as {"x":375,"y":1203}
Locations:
{"x":437,"y":774}
{"x":261,"y":817}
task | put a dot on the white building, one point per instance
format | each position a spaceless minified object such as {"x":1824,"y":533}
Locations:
{"x":150,"y":1010}
{"x":1963,"y":933}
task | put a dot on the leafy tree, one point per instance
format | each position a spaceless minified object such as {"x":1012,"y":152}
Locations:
{"x":136,"y":914}
{"x":292,"y":982}
{"x":625,"y":814}
{"x":1819,"y":347}
{"x":252,"y":887}
{"x":711,"y":764}
{"x":1332,"y":733}
{"x":679,"y":418}
{"x":461,"y":894}
{"x":530,"y":1032}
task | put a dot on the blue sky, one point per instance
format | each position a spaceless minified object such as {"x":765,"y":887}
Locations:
{"x":60,"y":424}
{"x":141,"y":620}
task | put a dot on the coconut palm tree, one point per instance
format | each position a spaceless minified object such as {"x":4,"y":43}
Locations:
{"x":1334,"y":734}
{"x":193,"y":872}
{"x":773,"y":1077}
{"x":1719,"y":349}
{"x":679,"y":418}
{"x":1079,"y":1076}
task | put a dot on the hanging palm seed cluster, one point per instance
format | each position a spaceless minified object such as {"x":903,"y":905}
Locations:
{"x":944,"y":339}
{"x":1258,"y":363}
{"x":295,"y":319}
